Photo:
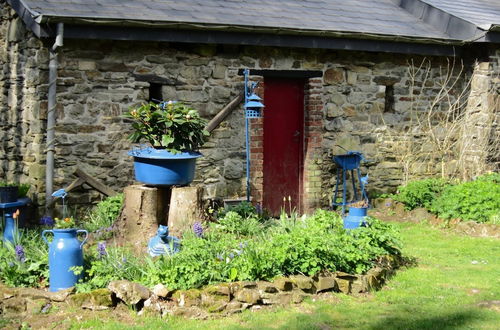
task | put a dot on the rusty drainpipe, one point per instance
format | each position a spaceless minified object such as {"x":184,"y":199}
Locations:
{"x":51,"y":116}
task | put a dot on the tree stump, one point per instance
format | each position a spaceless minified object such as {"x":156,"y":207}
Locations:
{"x":185,"y":209}
{"x":144,"y":208}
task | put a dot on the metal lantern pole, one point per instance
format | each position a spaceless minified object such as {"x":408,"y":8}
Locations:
{"x":247,"y":136}
{"x":251,"y":110}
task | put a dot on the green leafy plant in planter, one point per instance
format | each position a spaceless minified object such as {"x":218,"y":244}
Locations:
{"x":175,"y":132}
{"x":9,"y":192}
{"x":65,"y":223}
{"x":169,"y":125}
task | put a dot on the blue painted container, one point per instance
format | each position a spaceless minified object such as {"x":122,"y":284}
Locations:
{"x":160,"y":167}
{"x":10,"y":225}
{"x":9,"y":230}
{"x":355,"y":218}
{"x":349,"y":161}
{"x":65,"y":251}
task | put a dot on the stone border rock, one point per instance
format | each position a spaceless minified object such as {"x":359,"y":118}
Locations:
{"x":218,"y":299}
{"x":388,"y":209}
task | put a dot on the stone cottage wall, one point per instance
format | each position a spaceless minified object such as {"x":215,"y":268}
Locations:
{"x":346,"y":107}
{"x":23,"y":89}
{"x":481,"y":138}
{"x":359,"y":96}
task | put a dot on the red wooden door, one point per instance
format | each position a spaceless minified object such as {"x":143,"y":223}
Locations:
{"x":283,"y":142}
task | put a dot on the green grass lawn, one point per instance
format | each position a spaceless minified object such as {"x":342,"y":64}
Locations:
{"x":454,"y":274}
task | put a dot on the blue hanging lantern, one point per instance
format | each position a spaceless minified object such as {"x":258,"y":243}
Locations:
{"x":253,"y":106}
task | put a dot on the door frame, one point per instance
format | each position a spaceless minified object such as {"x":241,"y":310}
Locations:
{"x":311,"y":181}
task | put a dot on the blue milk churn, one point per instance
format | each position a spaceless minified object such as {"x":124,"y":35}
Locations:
{"x":355,"y":218}
{"x":65,"y":251}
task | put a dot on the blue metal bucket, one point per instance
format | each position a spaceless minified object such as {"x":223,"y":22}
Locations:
{"x":160,"y":167}
{"x":65,"y":251}
{"x":355,"y":218}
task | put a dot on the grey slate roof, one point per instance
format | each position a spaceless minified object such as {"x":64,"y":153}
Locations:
{"x":378,"y":17}
{"x":482,"y":13}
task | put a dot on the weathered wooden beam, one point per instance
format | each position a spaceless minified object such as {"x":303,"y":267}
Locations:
{"x":95,"y":183}
{"x":219,"y":117}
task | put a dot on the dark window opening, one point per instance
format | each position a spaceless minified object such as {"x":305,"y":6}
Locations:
{"x":155,"y":94}
{"x":389,"y":98}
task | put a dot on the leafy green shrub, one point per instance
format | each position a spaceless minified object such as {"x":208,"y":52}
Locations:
{"x":307,"y":245}
{"x":420,"y":193}
{"x":24,"y":263}
{"x":105,"y":264}
{"x":477,"y":200}
{"x":245,"y":209}
{"x":234,"y":223}
{"x":104,"y":213}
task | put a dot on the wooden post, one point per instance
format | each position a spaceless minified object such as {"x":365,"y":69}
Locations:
{"x":185,"y":209}
{"x":144,"y":209}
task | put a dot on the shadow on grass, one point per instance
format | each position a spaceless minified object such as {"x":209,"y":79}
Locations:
{"x":323,"y":321}
{"x":445,"y":321}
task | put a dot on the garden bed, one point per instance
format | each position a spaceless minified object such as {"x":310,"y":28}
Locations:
{"x":212,"y":300}
{"x":260,"y":261}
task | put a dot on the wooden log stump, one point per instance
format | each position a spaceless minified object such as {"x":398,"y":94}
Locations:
{"x":185,"y":209}
{"x":144,"y":208}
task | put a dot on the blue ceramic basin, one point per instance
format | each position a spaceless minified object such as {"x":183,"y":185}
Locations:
{"x":159,"y":167}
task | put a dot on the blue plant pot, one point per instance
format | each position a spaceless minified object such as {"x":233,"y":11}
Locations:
{"x":65,"y":251}
{"x":355,"y":218}
{"x":159,"y":167}
{"x":349,"y":161}
{"x":9,"y":231}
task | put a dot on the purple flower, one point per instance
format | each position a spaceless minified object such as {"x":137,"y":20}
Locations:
{"x":101,"y":248}
{"x":47,"y":221}
{"x":388,"y":204}
{"x":110,"y":228}
{"x":11,"y":264}
{"x":20,"y":253}
{"x":198,"y":229}
{"x":231,"y":255}
{"x":220,"y":257}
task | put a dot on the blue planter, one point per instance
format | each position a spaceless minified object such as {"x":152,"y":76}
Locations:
{"x":8,"y":194}
{"x":10,"y":226}
{"x":65,"y":251}
{"x":160,"y":167}
{"x":349,"y":161}
{"x":355,"y":218}
{"x":9,"y":231}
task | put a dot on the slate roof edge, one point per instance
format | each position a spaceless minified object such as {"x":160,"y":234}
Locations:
{"x":452,"y":25}
{"x":103,"y":22}
{"x":29,"y":18}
